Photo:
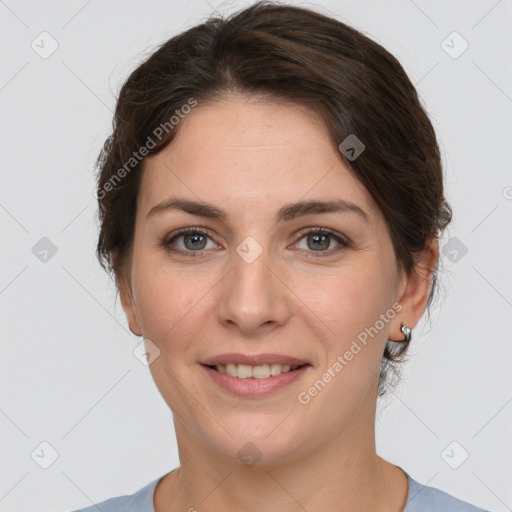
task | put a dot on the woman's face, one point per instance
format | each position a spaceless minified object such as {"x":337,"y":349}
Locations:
{"x":253,"y":282}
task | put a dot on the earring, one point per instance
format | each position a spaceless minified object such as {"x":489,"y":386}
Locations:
{"x":407,"y":332}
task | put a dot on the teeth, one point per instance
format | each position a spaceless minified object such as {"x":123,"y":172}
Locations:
{"x":231,"y":369}
{"x":245,"y":371}
{"x":260,"y":372}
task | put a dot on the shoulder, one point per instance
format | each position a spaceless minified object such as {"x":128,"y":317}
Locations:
{"x":141,"y":501}
{"x":422,"y":498}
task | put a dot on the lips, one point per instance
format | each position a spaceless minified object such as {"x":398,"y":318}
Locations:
{"x":255,"y":375}
{"x":256,"y":386}
{"x":253,"y":360}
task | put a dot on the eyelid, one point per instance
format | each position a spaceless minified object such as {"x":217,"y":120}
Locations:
{"x":317,"y":229}
{"x":185,"y":231}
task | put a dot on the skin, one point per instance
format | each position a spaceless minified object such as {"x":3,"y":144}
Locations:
{"x":250,"y":157}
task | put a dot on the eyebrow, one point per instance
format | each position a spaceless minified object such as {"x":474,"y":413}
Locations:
{"x":287,"y":212}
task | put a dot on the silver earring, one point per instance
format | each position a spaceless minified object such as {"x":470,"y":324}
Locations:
{"x":407,"y":332}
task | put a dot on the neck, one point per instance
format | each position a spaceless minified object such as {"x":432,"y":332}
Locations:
{"x":341,"y":472}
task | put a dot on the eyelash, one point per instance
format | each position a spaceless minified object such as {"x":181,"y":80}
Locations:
{"x":166,"y":243}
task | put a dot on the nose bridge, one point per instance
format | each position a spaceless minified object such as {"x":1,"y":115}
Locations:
{"x":251,"y":296}
{"x":250,"y":250}
{"x":251,"y":274}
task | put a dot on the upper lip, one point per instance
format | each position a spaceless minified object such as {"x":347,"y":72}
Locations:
{"x":253,"y":360}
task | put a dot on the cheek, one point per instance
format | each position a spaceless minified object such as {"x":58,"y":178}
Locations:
{"x":349,"y":298}
{"x":169,"y":301}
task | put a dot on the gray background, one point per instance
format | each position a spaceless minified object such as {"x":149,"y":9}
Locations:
{"x":68,"y":374}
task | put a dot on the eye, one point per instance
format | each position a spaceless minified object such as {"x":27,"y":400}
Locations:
{"x":188,"y":240}
{"x":319,"y":240}
{"x":194,"y":241}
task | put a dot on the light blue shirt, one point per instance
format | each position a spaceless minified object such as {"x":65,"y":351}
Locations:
{"x":420,"y":498}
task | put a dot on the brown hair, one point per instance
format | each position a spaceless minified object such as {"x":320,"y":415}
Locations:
{"x":297,"y":55}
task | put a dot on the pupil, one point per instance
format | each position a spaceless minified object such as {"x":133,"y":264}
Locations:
{"x":194,"y":238}
{"x":323,"y":239}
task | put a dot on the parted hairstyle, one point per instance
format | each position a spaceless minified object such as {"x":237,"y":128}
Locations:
{"x":296,"y":55}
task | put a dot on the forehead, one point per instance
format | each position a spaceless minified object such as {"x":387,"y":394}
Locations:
{"x":249,"y":154}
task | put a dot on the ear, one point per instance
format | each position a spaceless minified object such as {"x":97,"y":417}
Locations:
{"x":127,"y":300}
{"x":414,"y":291}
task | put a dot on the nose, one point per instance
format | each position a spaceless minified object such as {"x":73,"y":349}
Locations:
{"x":254,"y":298}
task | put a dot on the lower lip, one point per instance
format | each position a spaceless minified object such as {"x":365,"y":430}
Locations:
{"x":252,"y":387}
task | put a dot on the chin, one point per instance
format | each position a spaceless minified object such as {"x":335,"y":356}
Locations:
{"x":264,"y":443}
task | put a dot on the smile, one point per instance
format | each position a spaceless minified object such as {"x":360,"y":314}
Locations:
{"x":258,"y":381}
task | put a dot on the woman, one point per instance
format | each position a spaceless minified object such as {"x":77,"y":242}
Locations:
{"x":271,"y":201}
